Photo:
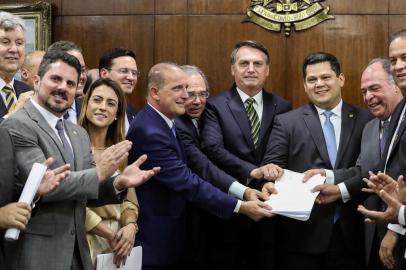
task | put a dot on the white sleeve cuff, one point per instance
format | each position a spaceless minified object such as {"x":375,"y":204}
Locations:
{"x":397,"y":228}
{"x":237,"y":206}
{"x":345,"y":195}
{"x":237,"y":190}
{"x":401,"y":215}
{"x":329,"y":177}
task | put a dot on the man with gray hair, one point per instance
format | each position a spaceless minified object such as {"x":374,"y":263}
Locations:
{"x":12,"y":36}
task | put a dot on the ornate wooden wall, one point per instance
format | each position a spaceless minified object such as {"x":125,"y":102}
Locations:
{"x":203,"y":32}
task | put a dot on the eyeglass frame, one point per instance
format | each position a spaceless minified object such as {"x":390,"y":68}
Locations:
{"x":192,"y":95}
{"x":125,"y":71}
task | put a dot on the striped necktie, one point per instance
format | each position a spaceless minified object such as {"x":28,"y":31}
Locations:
{"x":254,"y":120}
{"x":10,"y":97}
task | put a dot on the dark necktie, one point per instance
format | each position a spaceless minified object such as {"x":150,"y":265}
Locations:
{"x":384,"y":137}
{"x":330,"y":137}
{"x":66,"y":146}
{"x":254,"y":120}
{"x":173,"y":129}
{"x":10,"y":97}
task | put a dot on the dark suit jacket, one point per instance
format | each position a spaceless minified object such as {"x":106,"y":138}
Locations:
{"x":226,"y":133}
{"x":19,"y":87}
{"x":163,"y":199}
{"x":131,"y":112}
{"x":196,"y":159}
{"x":297,"y":143}
{"x":7,"y":192}
{"x":57,"y":221}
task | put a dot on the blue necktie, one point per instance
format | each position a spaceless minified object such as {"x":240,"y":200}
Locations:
{"x":330,"y":137}
{"x":385,"y":129}
{"x":173,"y":129}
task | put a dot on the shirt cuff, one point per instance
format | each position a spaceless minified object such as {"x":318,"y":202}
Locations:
{"x":345,"y":195}
{"x":237,"y":190}
{"x":401,"y":215}
{"x":397,"y":228}
{"x":329,"y":176}
{"x":237,"y":206}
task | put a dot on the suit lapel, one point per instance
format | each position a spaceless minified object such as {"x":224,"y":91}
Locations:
{"x":268,"y":114}
{"x":76,"y":141}
{"x":347,"y":124}
{"x":312,"y":121}
{"x":399,"y":132}
{"x":36,"y":116}
{"x":237,"y":109}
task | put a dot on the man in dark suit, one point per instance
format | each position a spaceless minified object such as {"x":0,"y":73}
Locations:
{"x":38,"y":130}
{"x":393,"y":158}
{"x":119,"y":64}
{"x":327,"y":134}
{"x":188,"y":128}
{"x":164,"y":199}
{"x":12,"y":52}
{"x":381,"y":95}
{"x":235,"y":141}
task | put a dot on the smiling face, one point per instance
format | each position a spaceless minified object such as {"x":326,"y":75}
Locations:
{"x":397,"y":57}
{"x":196,"y":103}
{"x":378,"y":92}
{"x":250,"y":70}
{"x":102,"y":106}
{"x":322,"y":85}
{"x":55,"y":91}
{"x":122,"y":71}
{"x":11,"y":52}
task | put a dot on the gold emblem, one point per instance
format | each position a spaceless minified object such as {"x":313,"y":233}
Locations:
{"x":272,"y":14}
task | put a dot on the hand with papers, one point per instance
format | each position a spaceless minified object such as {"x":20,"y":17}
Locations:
{"x":294,"y":197}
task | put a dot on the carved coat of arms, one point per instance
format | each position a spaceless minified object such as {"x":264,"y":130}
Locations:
{"x":273,"y":14}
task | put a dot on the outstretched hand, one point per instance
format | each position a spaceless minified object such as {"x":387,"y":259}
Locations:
{"x":52,"y":178}
{"x":133,"y":176}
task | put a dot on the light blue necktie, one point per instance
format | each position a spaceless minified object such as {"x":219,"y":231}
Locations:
{"x":330,"y":137}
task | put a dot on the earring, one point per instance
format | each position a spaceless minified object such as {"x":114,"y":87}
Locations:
{"x":115,"y":118}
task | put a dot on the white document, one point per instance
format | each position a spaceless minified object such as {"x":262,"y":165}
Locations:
{"x":134,"y":261}
{"x":294,"y":198}
{"x":30,"y":189}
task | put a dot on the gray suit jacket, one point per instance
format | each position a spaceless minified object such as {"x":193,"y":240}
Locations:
{"x":58,"y":219}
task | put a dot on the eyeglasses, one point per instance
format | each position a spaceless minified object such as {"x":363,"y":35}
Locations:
{"x":125,"y":71}
{"x":192,"y":95}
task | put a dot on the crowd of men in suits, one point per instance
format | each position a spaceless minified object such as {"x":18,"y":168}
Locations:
{"x":208,"y":163}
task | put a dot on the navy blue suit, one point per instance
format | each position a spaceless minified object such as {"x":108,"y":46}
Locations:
{"x":226,"y":139}
{"x":163,"y":199}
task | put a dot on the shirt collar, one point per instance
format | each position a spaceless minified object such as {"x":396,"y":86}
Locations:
{"x":168,"y":121}
{"x":49,"y":117}
{"x":336,"y":110}
{"x":258,"y":97}
{"x":3,"y":83}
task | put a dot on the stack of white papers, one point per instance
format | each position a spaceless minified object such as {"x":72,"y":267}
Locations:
{"x":294,"y":198}
{"x":133,"y":262}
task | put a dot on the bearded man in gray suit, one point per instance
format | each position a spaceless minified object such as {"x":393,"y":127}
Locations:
{"x":55,"y":235}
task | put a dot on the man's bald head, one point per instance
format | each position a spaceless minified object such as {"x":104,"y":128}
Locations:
{"x":30,"y":67}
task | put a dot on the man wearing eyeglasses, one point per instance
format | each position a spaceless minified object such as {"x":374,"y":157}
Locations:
{"x":119,"y":64}
{"x":188,"y":128}
{"x":236,"y":128}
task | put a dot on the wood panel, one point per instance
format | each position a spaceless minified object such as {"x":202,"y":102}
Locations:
{"x":396,"y":23}
{"x":105,"y":32}
{"x":171,"y":39}
{"x":397,"y":7}
{"x":211,"y":40}
{"x":218,"y":6}
{"x":358,"y":7}
{"x":171,"y":7}
{"x":107,"y":7}
{"x":353,"y":48}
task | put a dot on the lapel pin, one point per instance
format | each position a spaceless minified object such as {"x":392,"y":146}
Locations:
{"x":74,"y":132}
{"x":403,"y":118}
{"x":351,"y":115}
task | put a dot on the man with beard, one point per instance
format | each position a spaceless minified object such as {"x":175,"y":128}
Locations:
{"x":55,"y":235}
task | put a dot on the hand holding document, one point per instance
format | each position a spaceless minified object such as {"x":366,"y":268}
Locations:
{"x":294,"y":198}
{"x":133,"y":262}
{"x":30,"y":189}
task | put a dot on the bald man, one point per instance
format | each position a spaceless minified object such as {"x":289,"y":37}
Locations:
{"x":30,"y":67}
